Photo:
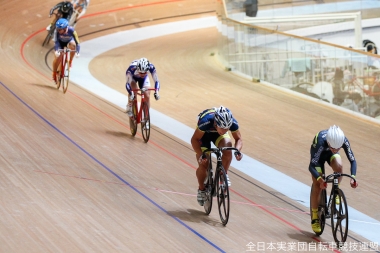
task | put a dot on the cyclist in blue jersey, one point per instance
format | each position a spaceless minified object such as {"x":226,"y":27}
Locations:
{"x":325,"y":148}
{"x":137,"y":75}
{"x":213,"y":126}
{"x":66,"y":36}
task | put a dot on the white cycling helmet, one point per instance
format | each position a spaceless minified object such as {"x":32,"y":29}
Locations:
{"x":223,"y":117}
{"x":335,"y":137}
{"x":143,"y":65}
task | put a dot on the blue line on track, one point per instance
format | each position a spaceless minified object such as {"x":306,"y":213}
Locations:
{"x":113,"y":173}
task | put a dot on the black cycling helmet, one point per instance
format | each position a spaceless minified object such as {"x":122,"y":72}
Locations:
{"x":66,"y":7}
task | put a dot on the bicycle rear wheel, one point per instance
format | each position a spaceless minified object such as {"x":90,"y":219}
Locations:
{"x":145,"y":122}
{"x":223,"y":195}
{"x":209,"y":184}
{"x":133,"y":119}
{"x":339,"y":217}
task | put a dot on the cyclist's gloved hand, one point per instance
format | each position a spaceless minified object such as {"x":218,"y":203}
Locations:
{"x":156,"y":95}
{"x":77,"y":54}
{"x":354,"y":183}
{"x":57,"y":53}
{"x":238,"y":155}
{"x":322,"y":183}
{"x":202,"y":159}
{"x":131,"y":97}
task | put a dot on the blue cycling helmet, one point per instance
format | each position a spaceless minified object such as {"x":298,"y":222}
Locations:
{"x":62,"y":23}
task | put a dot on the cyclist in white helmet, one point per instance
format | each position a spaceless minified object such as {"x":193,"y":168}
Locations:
{"x":80,"y":7}
{"x":213,"y":126}
{"x":325,"y":148}
{"x":137,"y":76}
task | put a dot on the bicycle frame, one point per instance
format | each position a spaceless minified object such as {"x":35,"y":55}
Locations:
{"x":50,"y":33}
{"x":140,"y":114}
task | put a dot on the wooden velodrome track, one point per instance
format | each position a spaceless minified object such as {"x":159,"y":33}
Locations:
{"x":72,"y":179}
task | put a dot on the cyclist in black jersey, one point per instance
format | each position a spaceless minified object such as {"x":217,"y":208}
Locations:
{"x":325,"y":148}
{"x":213,"y":126}
{"x":65,"y":10}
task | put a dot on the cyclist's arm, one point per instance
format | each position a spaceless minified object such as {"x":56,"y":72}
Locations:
{"x":350,"y":156}
{"x":56,"y":41}
{"x":76,"y":38}
{"x":54,"y":8}
{"x":128,"y":82}
{"x":238,"y":140}
{"x":315,"y":151}
{"x":153,"y":72}
{"x":196,"y":141}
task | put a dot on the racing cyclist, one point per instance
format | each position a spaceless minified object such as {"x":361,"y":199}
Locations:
{"x":66,"y":36}
{"x":80,"y":6}
{"x":65,"y":10}
{"x":325,"y":148}
{"x":137,"y":75}
{"x":213,"y":126}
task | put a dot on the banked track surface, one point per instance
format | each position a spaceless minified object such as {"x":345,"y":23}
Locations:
{"x":74,"y":180}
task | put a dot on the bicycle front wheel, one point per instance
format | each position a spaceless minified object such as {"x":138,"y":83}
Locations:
{"x":209,"y":182}
{"x":133,"y":120}
{"x":223,"y":195}
{"x":145,"y":122}
{"x":339,"y":217}
{"x":66,"y":74}
{"x":48,"y":37}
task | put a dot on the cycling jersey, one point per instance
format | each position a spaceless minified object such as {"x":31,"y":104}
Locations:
{"x":67,"y":15}
{"x":61,"y":40}
{"x":133,"y":75}
{"x":321,"y":153}
{"x":206,"y":122}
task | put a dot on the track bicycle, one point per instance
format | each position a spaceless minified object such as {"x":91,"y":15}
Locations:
{"x":63,"y":71}
{"x":217,"y":184}
{"x":140,"y":114}
{"x":50,"y":33}
{"x":335,"y":208}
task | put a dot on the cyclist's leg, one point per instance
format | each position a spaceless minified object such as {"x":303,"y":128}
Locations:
{"x":336,"y":164}
{"x":129,"y":104}
{"x":72,"y":46}
{"x":225,"y":141}
{"x":144,"y":82}
{"x":56,"y":61}
{"x":201,"y":172}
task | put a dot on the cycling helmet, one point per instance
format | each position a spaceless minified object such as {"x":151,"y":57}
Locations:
{"x":143,"y":65}
{"x":62,"y":23}
{"x":335,"y":137}
{"x":223,"y":117}
{"x":66,"y":7}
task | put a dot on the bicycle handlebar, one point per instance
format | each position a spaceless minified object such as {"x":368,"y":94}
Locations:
{"x":67,"y":50}
{"x":217,"y":151}
{"x":143,"y":89}
{"x":337,"y":175}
